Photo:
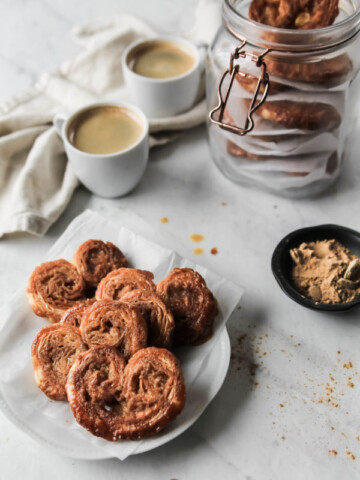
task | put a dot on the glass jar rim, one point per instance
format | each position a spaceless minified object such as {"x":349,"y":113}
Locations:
{"x":282,"y":39}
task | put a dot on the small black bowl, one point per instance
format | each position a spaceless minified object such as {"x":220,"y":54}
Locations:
{"x":282,"y":264}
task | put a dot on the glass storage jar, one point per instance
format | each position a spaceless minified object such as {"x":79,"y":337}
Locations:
{"x":281,"y":101}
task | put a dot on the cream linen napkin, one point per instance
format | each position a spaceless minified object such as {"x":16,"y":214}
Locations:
{"x":36,"y":181}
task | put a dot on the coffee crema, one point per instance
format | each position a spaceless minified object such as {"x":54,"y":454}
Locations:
{"x":160,"y":59}
{"x":105,"y":129}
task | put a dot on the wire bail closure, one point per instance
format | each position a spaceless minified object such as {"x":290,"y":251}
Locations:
{"x":232,"y":71}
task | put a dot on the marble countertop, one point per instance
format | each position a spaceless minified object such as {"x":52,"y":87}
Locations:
{"x":271,"y":419}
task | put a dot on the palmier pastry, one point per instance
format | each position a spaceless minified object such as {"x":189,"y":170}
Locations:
{"x":294,"y":14}
{"x":53,"y":352}
{"x":53,"y":288}
{"x":116,"y":401}
{"x":123,"y":280}
{"x":116,"y":324}
{"x":193,"y":306}
{"x":74,"y":315}
{"x":301,"y":115}
{"x":94,"y":259}
{"x":159,"y":320}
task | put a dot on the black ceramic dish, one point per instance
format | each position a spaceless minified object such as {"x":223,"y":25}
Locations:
{"x":281,"y":262}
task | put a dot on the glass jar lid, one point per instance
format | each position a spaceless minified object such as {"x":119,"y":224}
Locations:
{"x":345,"y":28}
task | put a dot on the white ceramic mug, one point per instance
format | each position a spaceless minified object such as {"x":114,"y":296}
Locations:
{"x":165,"y":97}
{"x":107,"y":175}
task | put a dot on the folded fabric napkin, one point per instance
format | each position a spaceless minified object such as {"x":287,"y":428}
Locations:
{"x":36,"y":181}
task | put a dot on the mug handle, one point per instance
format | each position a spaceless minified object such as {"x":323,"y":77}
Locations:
{"x":58,"y":122}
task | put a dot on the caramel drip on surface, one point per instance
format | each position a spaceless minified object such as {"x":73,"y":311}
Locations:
{"x":196,"y":237}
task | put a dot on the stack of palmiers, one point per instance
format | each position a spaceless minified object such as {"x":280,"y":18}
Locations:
{"x":107,"y":350}
{"x":297,"y":130}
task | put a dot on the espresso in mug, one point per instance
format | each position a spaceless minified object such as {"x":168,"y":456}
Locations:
{"x":105,"y":129}
{"x":160,"y":59}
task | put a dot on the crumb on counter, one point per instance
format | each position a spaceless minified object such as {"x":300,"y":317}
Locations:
{"x":349,"y":454}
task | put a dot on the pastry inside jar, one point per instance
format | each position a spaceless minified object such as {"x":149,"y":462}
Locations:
{"x":303,"y":15}
{"x":237,"y":151}
{"x":299,"y":115}
{"x":294,"y":14}
{"x":325,"y":72}
{"x":234,"y":150}
{"x":192,"y":304}
{"x":53,"y":352}
{"x":249,"y":83}
{"x":115,"y":400}
{"x":276,"y":13}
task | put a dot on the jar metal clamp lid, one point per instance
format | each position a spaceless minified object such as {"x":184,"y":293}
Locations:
{"x":329,"y":38}
{"x":232,"y":71}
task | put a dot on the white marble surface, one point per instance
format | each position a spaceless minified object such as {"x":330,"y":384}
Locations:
{"x":245,"y":433}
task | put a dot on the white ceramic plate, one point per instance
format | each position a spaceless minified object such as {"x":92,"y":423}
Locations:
{"x":52,"y":423}
{"x":63,"y":440}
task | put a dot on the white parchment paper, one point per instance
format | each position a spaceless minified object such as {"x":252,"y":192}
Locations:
{"x":18,"y":325}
